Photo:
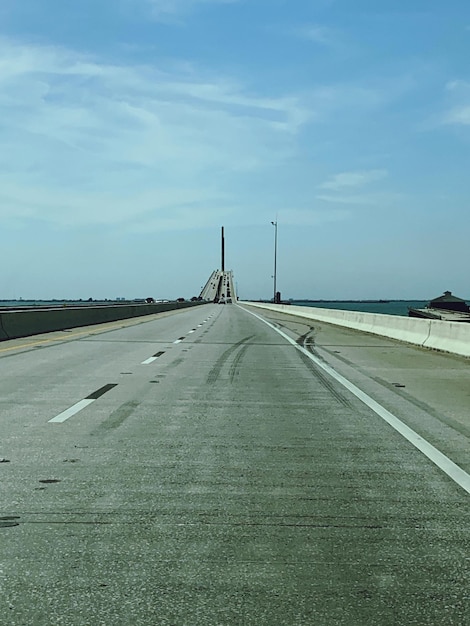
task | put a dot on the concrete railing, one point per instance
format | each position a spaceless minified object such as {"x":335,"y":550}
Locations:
{"x":453,"y":337}
{"x":23,"y":323}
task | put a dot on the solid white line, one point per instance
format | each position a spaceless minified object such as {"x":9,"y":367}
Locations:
{"x":71,"y":411}
{"x":456,"y":473}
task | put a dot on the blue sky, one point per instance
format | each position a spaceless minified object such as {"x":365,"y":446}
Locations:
{"x":132,"y":130}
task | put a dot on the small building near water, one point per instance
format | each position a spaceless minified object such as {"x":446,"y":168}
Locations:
{"x":448,"y":302}
{"x":446,"y":307}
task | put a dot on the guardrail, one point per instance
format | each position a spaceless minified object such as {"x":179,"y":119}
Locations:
{"x":453,"y":337}
{"x":27,"y":322}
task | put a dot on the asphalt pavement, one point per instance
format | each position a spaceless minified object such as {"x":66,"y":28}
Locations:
{"x":198,"y":468}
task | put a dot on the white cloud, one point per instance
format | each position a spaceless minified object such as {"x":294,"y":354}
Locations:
{"x":458,"y":115}
{"x":303,"y":217}
{"x":319,"y":34}
{"x":87,"y":142}
{"x":453,"y":85}
{"x":353,"y":179}
{"x":365,"y":199}
{"x":83,"y":142}
{"x":173,"y":10}
{"x":356,"y":188}
{"x":458,"y":106}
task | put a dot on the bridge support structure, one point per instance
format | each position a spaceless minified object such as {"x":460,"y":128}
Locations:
{"x":220,"y":287}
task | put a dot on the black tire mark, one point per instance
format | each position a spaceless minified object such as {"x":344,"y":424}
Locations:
{"x":117,"y":417}
{"x":326,"y":382}
{"x":216,"y":369}
{"x":302,"y":340}
{"x":235,"y":367}
{"x":172,"y":364}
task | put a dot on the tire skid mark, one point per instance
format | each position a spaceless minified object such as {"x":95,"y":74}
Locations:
{"x":218,"y":365}
{"x":326,"y":382}
{"x":235,"y":367}
{"x":302,"y":340}
{"x":117,"y":417}
{"x":322,"y":378}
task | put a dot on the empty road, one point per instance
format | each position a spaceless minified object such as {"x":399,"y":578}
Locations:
{"x":198,"y":468}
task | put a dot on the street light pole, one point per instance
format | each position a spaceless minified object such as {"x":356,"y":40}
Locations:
{"x":275,"y":260}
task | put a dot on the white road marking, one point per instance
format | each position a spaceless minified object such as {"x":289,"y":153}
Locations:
{"x":178,"y":341}
{"x":191,"y":331}
{"x":149,"y":360}
{"x":456,"y":473}
{"x":153,"y":358}
{"x":71,"y":411}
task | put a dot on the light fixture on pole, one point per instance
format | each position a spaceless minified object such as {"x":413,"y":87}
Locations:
{"x":275,"y":261}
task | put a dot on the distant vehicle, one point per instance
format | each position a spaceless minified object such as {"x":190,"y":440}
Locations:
{"x":225,"y":301}
{"x":180,"y":300}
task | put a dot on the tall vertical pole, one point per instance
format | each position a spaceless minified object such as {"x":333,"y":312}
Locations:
{"x":275,"y":260}
{"x":223,"y":250}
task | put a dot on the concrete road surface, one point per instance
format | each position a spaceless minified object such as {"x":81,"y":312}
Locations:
{"x":197,"y":468}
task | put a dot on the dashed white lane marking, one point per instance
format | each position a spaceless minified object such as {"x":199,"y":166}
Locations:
{"x":153,"y":358}
{"x":456,"y":473}
{"x":149,"y":360}
{"x":78,"y":406}
{"x":71,"y":411}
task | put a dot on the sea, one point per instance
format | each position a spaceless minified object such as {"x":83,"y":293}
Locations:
{"x":387,"y":307}
{"x":17,"y":304}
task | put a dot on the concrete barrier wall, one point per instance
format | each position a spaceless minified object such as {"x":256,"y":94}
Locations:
{"x":453,"y":337}
{"x":3,"y":335}
{"x":14,"y":324}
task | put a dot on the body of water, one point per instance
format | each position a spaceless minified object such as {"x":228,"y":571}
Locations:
{"x":54,"y":303}
{"x":392,"y":307}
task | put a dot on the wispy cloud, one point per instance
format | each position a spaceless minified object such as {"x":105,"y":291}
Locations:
{"x":86,"y":142}
{"x":354,"y":179}
{"x":371,"y":199}
{"x":319,"y":34}
{"x":458,"y":103}
{"x":332,"y":39}
{"x":310,"y":217}
{"x":458,"y":115}
{"x":175,"y":10}
{"x":358,"y":189}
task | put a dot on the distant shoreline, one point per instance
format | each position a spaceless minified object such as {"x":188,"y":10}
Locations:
{"x":359,"y":301}
{"x":378,"y":306}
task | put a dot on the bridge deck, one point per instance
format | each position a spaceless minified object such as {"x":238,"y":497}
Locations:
{"x":197,"y":468}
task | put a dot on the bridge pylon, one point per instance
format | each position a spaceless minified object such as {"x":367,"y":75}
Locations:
{"x":220,"y":287}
